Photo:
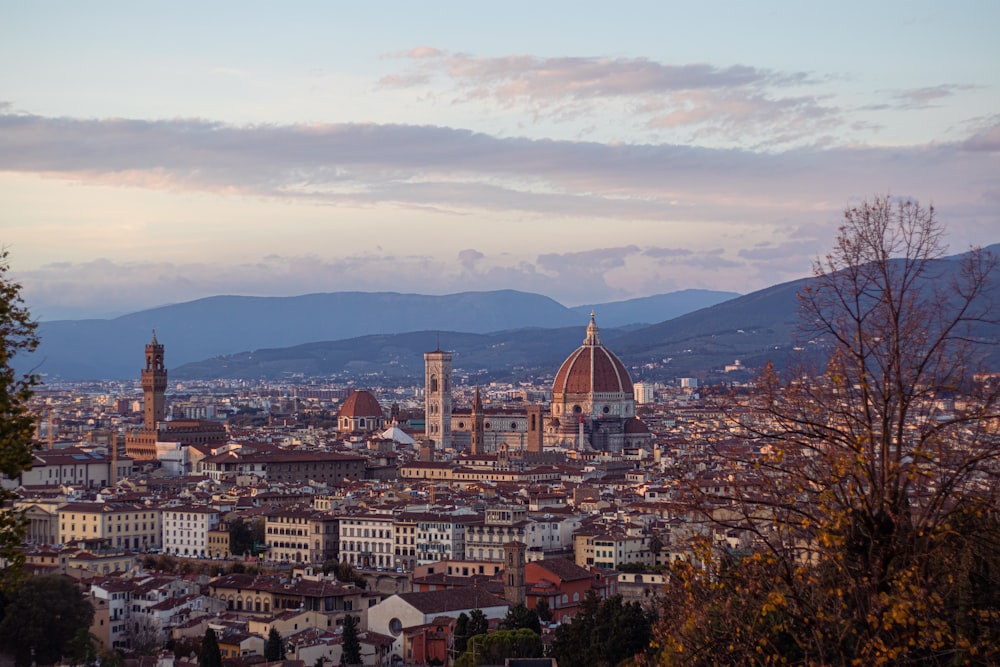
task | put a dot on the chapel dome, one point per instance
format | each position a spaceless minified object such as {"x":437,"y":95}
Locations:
{"x":361,"y":403}
{"x":592,"y":369}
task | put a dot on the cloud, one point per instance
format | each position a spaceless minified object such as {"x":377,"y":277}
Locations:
{"x":459,"y":171}
{"x":469,"y":257}
{"x":928,"y":96}
{"x":738,"y":101}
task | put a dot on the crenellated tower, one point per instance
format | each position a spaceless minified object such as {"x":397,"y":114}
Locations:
{"x":154,"y":385}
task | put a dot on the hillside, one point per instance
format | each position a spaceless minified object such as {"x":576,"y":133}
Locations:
{"x":227,"y":325}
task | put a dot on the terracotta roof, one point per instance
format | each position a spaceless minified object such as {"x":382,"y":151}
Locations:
{"x":455,"y":599}
{"x":360,"y":404}
{"x":592,"y":368}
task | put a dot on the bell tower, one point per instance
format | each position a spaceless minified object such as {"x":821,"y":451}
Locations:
{"x":437,"y":397}
{"x":514,"y":590}
{"x":154,"y":385}
{"x":478,"y":445}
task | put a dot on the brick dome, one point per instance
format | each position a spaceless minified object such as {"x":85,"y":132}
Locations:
{"x":361,"y":403}
{"x":592,"y":369}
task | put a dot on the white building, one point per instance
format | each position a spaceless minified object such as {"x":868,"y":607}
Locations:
{"x":644,"y":392}
{"x":367,"y":540}
{"x":185,"y":529}
{"x":71,"y":466}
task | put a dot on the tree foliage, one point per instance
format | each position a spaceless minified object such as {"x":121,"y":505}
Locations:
{"x":519,"y":616}
{"x":274,"y":648}
{"x":543,"y":611}
{"x":603,"y":633}
{"x":869,"y":498}
{"x":461,"y":633}
{"x":347,"y":574}
{"x":243,"y":534}
{"x":209,"y":655}
{"x":495,"y":648}
{"x":478,"y":623}
{"x":42,"y":619}
{"x":17,"y":422}
{"x":351,"y":653}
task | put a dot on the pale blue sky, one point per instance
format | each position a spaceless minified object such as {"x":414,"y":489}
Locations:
{"x":159,"y":152}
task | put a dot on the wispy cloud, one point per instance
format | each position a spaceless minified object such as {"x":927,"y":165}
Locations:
{"x":621,"y":201}
{"x":462,"y":171}
{"x":735,"y":101}
{"x":922,"y":98}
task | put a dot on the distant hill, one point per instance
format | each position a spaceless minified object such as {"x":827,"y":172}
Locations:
{"x":755,"y":328}
{"x":226,"y":325}
{"x":653,"y":309}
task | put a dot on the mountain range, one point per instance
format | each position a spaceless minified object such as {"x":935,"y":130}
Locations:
{"x":220,"y":326}
{"x":501,"y":335}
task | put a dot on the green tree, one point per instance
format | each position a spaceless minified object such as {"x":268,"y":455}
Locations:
{"x":351,"y":652}
{"x":461,"y":633}
{"x":17,"y":421}
{"x":82,"y":649}
{"x":347,"y":574}
{"x":543,"y":611}
{"x":243,"y":534}
{"x":603,"y":634}
{"x":274,"y":649}
{"x":209,"y":655}
{"x":478,"y":623}
{"x":871,"y":509}
{"x":42,"y":619}
{"x":495,"y":648}
{"x":519,"y":616}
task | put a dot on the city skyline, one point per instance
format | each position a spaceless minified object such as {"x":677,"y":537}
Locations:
{"x":155,"y":155}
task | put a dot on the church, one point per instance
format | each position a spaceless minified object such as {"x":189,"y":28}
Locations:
{"x":592,"y":408}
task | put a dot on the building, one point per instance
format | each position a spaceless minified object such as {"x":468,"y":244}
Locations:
{"x":141,"y":444}
{"x":287,"y":466}
{"x":592,"y":408}
{"x":360,"y":415}
{"x":186,"y":529}
{"x":268,"y":595}
{"x":72,"y":466}
{"x":593,"y":401}
{"x":564,"y":585}
{"x":406,"y":611}
{"x":437,"y":397}
{"x":113,"y":525}
{"x":301,"y":536}
{"x":368,"y":540}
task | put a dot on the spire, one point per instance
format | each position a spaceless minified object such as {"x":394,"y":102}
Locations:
{"x":592,"y":337}
{"x":477,"y":401}
{"x":154,"y":336}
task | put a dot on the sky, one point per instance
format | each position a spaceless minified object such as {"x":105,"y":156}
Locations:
{"x":154,"y":153}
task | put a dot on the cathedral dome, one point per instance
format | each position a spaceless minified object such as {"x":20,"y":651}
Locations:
{"x":360,"y":404}
{"x":592,"y":369}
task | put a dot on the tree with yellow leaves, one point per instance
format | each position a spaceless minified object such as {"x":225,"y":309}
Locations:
{"x":867,"y":493}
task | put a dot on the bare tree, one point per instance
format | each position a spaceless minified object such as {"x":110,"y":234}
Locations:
{"x":143,"y":634}
{"x":869,"y":484}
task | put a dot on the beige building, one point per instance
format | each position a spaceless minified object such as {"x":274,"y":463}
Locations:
{"x":115,"y":525}
{"x":301,"y":536}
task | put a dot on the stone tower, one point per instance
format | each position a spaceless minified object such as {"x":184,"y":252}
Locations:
{"x":478,"y":432}
{"x":437,"y":393}
{"x":534,"y":442}
{"x":513,"y":572}
{"x":154,"y":385}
